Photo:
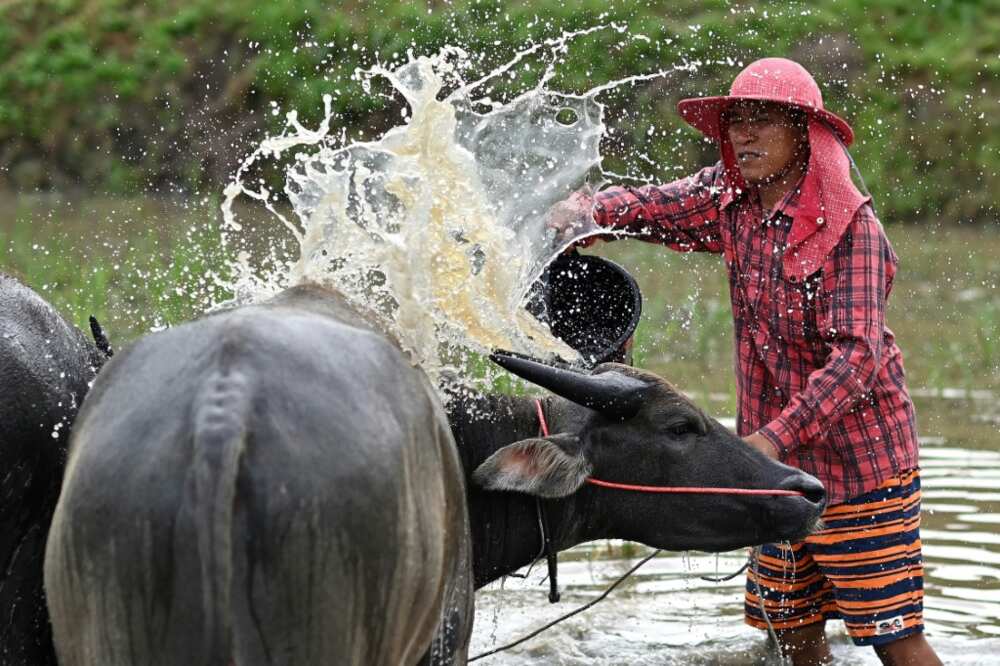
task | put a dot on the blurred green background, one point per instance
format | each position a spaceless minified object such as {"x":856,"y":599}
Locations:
{"x":124,"y":96}
{"x":122,"y":121}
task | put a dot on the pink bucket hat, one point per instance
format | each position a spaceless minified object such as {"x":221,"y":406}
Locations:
{"x":828,"y":198}
{"x":768,"y":80}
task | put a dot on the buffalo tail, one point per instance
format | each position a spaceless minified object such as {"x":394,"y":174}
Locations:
{"x":220,"y":435}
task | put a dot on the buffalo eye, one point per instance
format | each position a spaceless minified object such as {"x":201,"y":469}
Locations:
{"x":683,"y":427}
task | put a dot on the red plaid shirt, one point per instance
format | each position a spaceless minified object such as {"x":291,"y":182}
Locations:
{"x":817,"y":371}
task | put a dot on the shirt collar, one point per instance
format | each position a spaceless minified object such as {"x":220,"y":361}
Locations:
{"x":789,"y":204}
{"x":802,"y":198}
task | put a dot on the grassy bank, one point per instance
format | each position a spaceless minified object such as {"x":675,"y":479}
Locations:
{"x":114,"y":96}
{"x":145,"y":263}
{"x":136,"y":264}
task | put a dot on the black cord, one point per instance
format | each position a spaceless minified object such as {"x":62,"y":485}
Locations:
{"x":571,"y":613}
{"x":729,"y":577}
{"x":551,"y":556}
{"x":544,"y":542}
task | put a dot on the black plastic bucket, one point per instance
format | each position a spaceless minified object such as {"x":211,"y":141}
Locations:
{"x":590,"y":303}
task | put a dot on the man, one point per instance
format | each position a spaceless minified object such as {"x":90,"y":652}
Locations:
{"x":820,"y":379}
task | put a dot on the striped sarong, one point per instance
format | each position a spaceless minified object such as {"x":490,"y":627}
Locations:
{"x":864,"y":567}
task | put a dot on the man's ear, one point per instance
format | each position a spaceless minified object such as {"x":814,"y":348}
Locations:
{"x":551,"y":467}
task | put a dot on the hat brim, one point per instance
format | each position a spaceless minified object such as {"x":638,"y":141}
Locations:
{"x":704,"y":114}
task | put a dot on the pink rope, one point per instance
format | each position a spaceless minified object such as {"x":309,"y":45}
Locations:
{"x":693,"y":489}
{"x":666,"y":489}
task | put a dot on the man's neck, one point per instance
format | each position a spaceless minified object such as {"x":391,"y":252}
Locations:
{"x":774,"y":191}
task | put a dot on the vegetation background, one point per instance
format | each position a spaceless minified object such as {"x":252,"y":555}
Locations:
{"x":126,"y":96}
{"x":121,"y":122}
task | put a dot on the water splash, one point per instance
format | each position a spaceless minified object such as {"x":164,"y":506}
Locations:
{"x":438,"y":227}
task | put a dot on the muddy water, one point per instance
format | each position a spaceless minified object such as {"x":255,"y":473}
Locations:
{"x":666,"y":615}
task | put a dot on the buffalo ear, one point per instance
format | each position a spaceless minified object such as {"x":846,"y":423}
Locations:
{"x":551,"y":467}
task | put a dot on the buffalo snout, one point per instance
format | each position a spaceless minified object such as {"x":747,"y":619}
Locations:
{"x":810,"y":487}
{"x":802,"y":511}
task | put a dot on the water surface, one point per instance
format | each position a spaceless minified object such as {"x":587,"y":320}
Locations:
{"x":665,"y":614}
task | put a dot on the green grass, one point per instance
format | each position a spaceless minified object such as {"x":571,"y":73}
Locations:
{"x":944,"y":305}
{"x":139,"y":264}
{"x":174,"y":91}
{"x":136,"y":264}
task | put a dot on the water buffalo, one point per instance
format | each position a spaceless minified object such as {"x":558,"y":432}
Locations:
{"x":276,"y":484}
{"x":46,"y":366}
{"x":625,"y":426}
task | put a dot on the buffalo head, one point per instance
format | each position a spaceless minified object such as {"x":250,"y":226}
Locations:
{"x":628,"y":426}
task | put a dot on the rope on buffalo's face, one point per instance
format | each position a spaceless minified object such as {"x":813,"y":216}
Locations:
{"x":551,"y":553}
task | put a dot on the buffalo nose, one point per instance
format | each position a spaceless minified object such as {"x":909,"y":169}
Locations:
{"x":808,"y":485}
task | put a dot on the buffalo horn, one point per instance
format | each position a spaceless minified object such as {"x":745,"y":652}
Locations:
{"x":612,"y":393}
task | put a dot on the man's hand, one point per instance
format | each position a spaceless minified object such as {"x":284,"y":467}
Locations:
{"x":762,"y":444}
{"x":569,"y":214}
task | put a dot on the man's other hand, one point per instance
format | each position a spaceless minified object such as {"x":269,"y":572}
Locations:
{"x":762,"y":444}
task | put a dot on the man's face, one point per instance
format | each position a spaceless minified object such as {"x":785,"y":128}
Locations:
{"x":766,"y":137}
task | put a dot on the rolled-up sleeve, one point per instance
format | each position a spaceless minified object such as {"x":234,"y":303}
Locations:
{"x":683,"y":215}
{"x":853,"y":326}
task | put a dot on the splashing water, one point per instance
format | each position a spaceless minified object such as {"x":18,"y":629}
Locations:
{"x":438,"y":228}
